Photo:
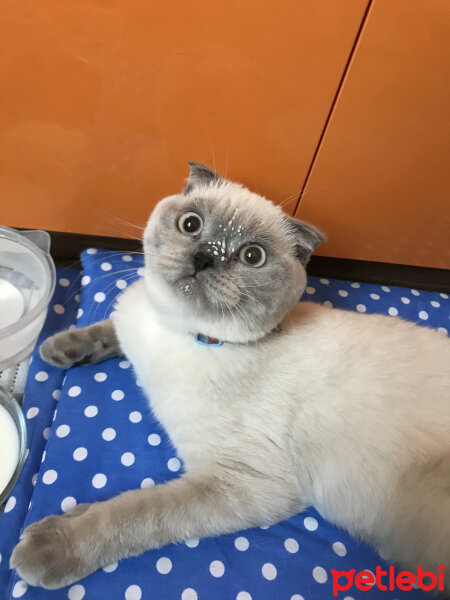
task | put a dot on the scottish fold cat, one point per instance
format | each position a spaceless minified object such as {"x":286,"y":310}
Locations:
{"x":273,"y":405}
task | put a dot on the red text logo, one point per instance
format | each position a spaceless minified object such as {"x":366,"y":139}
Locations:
{"x":388,"y":580}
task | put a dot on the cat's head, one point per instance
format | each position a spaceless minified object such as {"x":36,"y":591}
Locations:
{"x":223,"y":261}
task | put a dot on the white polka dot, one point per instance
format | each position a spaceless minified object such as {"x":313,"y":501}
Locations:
{"x":164,"y":565}
{"x":343,"y":293}
{"x":99,"y":297}
{"x":99,"y":480}
{"x":74,"y":391}
{"x":108,"y":434}
{"x":442,"y":330}
{"x":189,"y":594}
{"x":34,"y":479}
{"x":291,"y":545}
{"x":442,"y":295}
{"x":0,"y":558}
{"x":106,"y":266}
{"x":174,"y":464}
{"x":68,"y":503}
{"x":56,"y":394}
{"x":100,"y":377}
{"x":32,"y":412}
{"x":217,"y":568}
{"x":328,"y":304}
{"x":80,"y":453}
{"x":339,"y":548}
{"x":135,"y":416}
{"x":310,"y":290}
{"x":91,"y":250}
{"x":147,"y":483}
{"x":117,"y":395}
{"x":423,"y":315}
{"x":297,"y":597}
{"x":80,"y":313}
{"x":361,"y":308}
{"x":355,"y":284}
{"x":124,"y":364}
{"x":133,"y":592}
{"x":19,"y":589}
{"x":241,"y":543}
{"x":64,"y":282}
{"x":324,"y":281}
{"x":63,"y":431}
{"x":435,"y":304}
{"x":415,"y":292}
{"x":269,"y":571}
{"x":392,"y":311}
{"x":141,"y":271}
{"x":405,"y":300}
{"x":192,"y":543}
{"x":127,"y":459}
{"x":310,"y":523}
{"x":127,"y":258}
{"x":385,"y":288}
{"x":111,"y":567}
{"x":10,"y":504}
{"x":319,"y":574}
{"x":154,"y":439}
{"x":85,"y":280}
{"x":41,"y":376}
{"x":49,"y":476}
{"x":46,"y":433}
{"x":44,"y":454}
{"x":91,"y":411}
{"x":59,"y":309}
{"x":375,"y":296}
{"x":121,"y":284}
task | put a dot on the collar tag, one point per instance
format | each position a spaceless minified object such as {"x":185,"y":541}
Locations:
{"x":206,"y":340}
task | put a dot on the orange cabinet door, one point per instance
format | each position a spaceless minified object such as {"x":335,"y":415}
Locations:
{"x":103,"y":102}
{"x":380,"y":184}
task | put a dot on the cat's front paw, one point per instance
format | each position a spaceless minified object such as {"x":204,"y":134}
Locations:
{"x":50,"y":554}
{"x":67,"y":348}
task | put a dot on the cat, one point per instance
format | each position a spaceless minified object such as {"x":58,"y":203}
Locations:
{"x":272,"y":404}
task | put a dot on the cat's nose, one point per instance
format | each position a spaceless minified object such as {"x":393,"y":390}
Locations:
{"x":202,"y":260}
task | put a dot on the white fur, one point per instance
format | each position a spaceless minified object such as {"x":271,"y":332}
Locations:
{"x":340,"y":410}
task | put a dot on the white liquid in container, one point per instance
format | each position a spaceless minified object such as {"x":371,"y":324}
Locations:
{"x":9,"y":447}
{"x":12,"y":304}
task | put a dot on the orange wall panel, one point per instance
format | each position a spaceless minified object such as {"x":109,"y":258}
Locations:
{"x":102,"y":102}
{"x":380,"y":185}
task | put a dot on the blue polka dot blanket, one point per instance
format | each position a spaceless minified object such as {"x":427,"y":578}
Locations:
{"x":92,"y":436}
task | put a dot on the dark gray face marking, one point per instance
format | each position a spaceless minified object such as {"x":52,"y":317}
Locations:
{"x":208,"y":269}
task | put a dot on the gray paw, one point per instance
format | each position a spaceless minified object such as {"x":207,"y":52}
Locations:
{"x":86,"y":345}
{"x":68,"y":348}
{"x":46,"y":554}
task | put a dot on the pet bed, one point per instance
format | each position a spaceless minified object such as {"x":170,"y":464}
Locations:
{"x":92,"y":435}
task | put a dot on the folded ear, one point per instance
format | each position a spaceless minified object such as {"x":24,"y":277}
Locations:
{"x":304,"y":237}
{"x":200,"y":175}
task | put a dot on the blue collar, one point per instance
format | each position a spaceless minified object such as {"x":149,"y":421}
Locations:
{"x":206,"y":340}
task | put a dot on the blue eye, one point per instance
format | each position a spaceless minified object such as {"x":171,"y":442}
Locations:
{"x":190,"y":223}
{"x":253,"y":255}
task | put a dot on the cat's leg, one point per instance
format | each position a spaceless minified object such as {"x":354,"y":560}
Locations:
{"x":414,"y":529}
{"x":62,"y":549}
{"x":81,"y":346}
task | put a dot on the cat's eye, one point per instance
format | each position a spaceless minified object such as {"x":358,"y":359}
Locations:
{"x":253,"y":255}
{"x":190,"y":223}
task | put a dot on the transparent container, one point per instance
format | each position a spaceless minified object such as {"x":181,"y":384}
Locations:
{"x":27,"y":282}
{"x":13,"y":453}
